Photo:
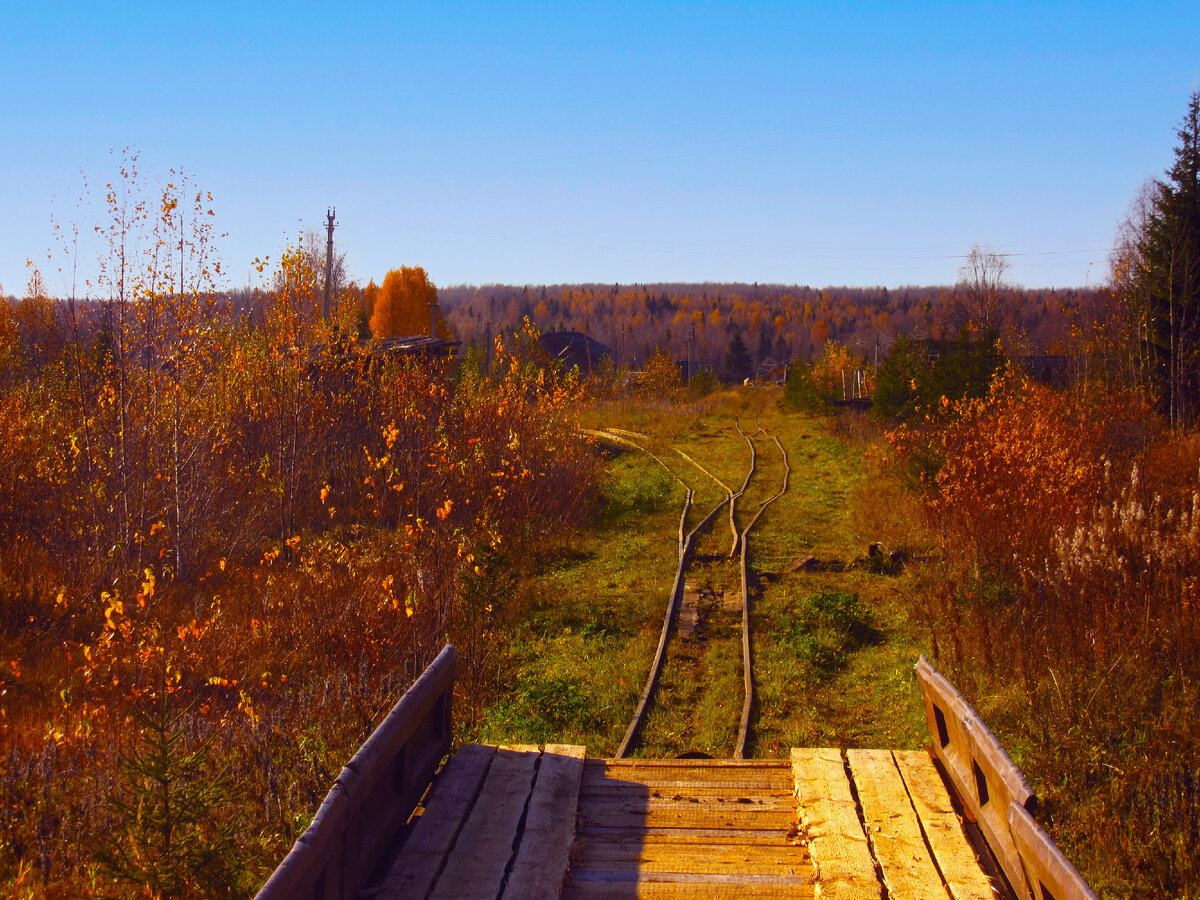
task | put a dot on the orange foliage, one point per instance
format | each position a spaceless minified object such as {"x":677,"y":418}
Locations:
{"x":404,"y":305}
{"x":659,"y":379}
{"x":273,"y":528}
{"x":1015,"y":464}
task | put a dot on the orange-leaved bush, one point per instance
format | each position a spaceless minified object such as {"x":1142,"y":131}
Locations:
{"x":405,"y":304}
{"x":1013,"y":465}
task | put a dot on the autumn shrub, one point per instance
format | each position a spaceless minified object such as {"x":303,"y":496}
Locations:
{"x":282,"y":529}
{"x":1014,"y":465}
{"x":1069,"y":555}
{"x":659,"y":380}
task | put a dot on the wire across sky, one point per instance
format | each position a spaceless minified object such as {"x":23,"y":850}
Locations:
{"x":535,"y":143}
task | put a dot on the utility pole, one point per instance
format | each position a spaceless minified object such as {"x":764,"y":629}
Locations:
{"x":691,"y":349}
{"x":329,"y":223}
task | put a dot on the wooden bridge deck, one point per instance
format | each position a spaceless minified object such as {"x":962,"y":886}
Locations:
{"x":516,"y":822}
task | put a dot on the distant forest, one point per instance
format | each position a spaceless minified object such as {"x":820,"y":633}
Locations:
{"x":777,"y":323}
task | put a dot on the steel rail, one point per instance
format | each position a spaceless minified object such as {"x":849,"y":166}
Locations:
{"x":747,"y":633}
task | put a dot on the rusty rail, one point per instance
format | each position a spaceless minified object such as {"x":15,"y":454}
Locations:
{"x":743,"y":738}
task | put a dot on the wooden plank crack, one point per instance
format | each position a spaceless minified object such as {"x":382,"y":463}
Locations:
{"x":828,"y":820}
{"x":549,"y":829}
{"x":891,"y":823}
{"x":951,"y":850}
{"x":481,"y":855}
{"x":421,"y":859}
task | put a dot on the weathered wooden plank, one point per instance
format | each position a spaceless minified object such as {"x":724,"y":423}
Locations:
{"x":416,"y":867}
{"x":683,"y":818}
{"x":774,"y":779}
{"x":1049,"y":872}
{"x":541,"y":862}
{"x":700,"y":776}
{"x":631,"y":797}
{"x":661,"y":890}
{"x":952,"y":852}
{"x":893,"y":829}
{"x":480,"y":856}
{"x":762,"y":836}
{"x":628,"y":791}
{"x":829,"y":821}
{"x":680,"y":790}
{"x":765,"y":778}
{"x":694,"y":858}
{"x":750,"y":880}
{"x":685,"y":765}
{"x":659,"y":807}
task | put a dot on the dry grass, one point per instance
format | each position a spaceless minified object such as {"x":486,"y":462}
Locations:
{"x":1065,"y":608}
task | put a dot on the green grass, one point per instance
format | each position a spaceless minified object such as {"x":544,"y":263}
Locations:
{"x":834,"y":650}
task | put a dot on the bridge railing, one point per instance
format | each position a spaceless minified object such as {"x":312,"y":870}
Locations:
{"x":996,"y":795}
{"x":373,"y":796}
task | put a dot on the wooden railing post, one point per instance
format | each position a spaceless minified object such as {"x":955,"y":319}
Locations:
{"x":995,"y":794}
{"x":986,"y":779}
{"x":373,"y":796}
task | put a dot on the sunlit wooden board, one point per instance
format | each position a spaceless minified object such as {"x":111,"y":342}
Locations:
{"x":953,"y":853}
{"x":651,"y":856}
{"x":829,"y":822}
{"x":635,"y":834}
{"x":892,"y":828}
{"x":664,"y":890}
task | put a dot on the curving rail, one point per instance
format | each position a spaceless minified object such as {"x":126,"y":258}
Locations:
{"x":747,"y":632}
{"x":660,"y":655}
{"x":740,"y":548}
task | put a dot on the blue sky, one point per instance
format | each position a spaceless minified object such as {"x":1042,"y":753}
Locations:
{"x":610,"y":142}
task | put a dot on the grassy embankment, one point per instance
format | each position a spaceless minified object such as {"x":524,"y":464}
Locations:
{"x":834,"y":649}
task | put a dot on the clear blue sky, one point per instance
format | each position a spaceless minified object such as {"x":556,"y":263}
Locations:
{"x":610,"y":142}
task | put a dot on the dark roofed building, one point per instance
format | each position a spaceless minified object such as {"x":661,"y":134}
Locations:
{"x":574,"y":350}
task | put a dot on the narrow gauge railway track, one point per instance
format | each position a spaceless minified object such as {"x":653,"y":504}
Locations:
{"x":687,"y":542}
{"x":742,"y":543}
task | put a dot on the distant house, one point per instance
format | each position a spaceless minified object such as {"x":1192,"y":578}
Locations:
{"x":698,"y":368}
{"x":327,"y":362}
{"x":574,"y":350}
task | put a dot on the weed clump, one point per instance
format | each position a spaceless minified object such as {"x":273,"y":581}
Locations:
{"x":826,"y":627}
{"x":543,"y":710}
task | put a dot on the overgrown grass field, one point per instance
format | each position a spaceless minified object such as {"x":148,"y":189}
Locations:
{"x":834,"y":649}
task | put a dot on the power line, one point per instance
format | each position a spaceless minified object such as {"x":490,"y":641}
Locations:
{"x":848,"y":253}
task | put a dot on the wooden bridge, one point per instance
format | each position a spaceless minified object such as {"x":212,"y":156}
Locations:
{"x":952,"y":822}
